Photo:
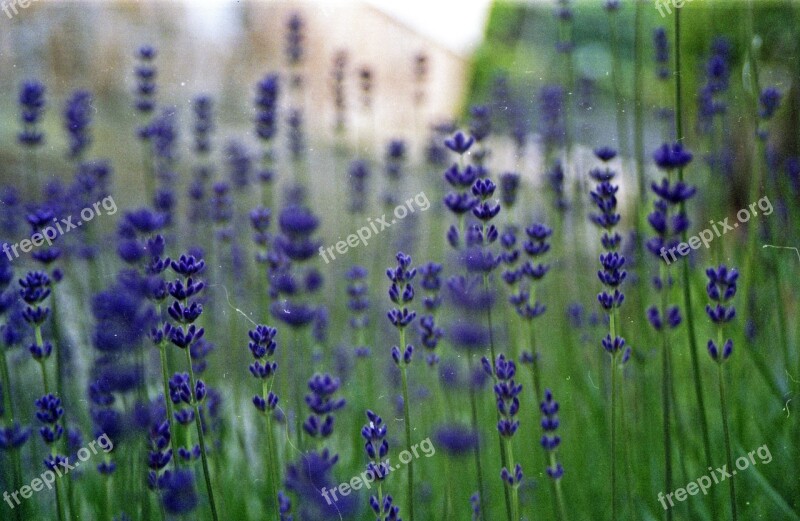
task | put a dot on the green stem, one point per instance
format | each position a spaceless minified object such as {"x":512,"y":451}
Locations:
{"x":537,"y":386}
{"x":638,"y":117}
{"x":728,"y":458}
{"x":476,"y":428}
{"x":6,"y":388}
{"x":616,"y":73}
{"x":201,"y":437}
{"x":515,"y":488}
{"x":407,"y":422}
{"x":757,"y":174}
{"x":494,"y":367}
{"x":687,"y":288}
{"x":562,"y":511}
{"x":165,"y":378}
{"x":272,"y":474}
{"x":666,"y":385}
{"x":59,"y":499}
{"x":613,"y":431}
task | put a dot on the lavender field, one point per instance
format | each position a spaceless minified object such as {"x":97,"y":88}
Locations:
{"x":488,"y":261}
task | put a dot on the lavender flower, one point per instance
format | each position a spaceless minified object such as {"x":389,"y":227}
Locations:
{"x":77,"y":118}
{"x":322,"y":403}
{"x":145,"y":75}
{"x":32,"y":103}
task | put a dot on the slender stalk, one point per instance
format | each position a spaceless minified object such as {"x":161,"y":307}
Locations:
{"x":638,"y":116}
{"x":616,"y":74}
{"x":407,"y":422}
{"x":475,"y":427}
{"x":515,"y":488}
{"x":613,"y":431}
{"x":58,"y":343}
{"x":42,"y":363}
{"x":562,"y":511}
{"x":757,"y":174}
{"x":201,"y":437}
{"x":626,"y":446}
{"x":8,"y":403}
{"x":493,"y":364}
{"x":666,"y":377}
{"x":728,"y":458}
{"x":297,"y":390}
{"x":6,"y":386}
{"x":59,"y":499}
{"x":162,"y":349}
{"x":687,"y":288}
{"x":537,"y":386}
{"x":272,"y":459}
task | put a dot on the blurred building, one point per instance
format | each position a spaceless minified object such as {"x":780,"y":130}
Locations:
{"x":224,"y":50}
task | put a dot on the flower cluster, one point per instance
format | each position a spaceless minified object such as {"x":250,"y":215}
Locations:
{"x":77,"y":118}
{"x":145,"y":80}
{"x":536,"y":245}
{"x":32,"y":103}
{"x":720,"y":289}
{"x":612,"y":262}
{"x":376,"y":446}
{"x":35,"y":288}
{"x":430,"y":333}
{"x":160,"y":452}
{"x":184,"y":396}
{"x":50,"y":412}
{"x":288,"y":282}
{"x":358,"y":304}
{"x":506,"y":392}
{"x":262,"y":346}
{"x":401,"y":292}
{"x":267,"y":91}
{"x":322,"y":403}
{"x":550,"y":440}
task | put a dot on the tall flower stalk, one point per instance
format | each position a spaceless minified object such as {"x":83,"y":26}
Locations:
{"x":550,"y":442}
{"x":669,"y":222}
{"x":262,"y":346}
{"x":612,"y":8}
{"x":687,"y":287}
{"x":185,"y":313}
{"x":50,"y":413}
{"x":612,"y":275}
{"x":377,"y":448}
{"x":721,"y":289}
{"x":401,"y":292}
{"x":506,"y":392}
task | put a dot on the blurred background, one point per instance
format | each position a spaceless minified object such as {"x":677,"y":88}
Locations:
{"x":472,"y":52}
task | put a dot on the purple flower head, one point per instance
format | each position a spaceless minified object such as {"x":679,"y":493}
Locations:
{"x":456,"y":439}
{"x":459,"y":143}
{"x":13,"y":436}
{"x":661,"y":46}
{"x":605,"y":154}
{"x":480,"y":124}
{"x":267,"y":91}
{"x":178,"y":493}
{"x":672,"y":156}
{"x":769,"y":100}
{"x":32,"y":103}
{"x":77,"y":118}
